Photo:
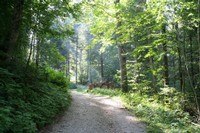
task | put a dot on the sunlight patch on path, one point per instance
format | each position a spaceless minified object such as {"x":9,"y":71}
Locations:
{"x":96,"y":114}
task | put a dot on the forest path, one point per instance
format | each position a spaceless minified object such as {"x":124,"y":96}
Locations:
{"x":96,"y":114}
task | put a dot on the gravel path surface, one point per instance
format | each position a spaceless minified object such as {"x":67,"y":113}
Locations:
{"x":96,"y":114}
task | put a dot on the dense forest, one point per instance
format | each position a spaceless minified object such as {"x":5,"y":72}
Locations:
{"x":149,"y":50}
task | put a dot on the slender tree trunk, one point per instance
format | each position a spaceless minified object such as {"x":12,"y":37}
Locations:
{"x":165,"y":59}
{"x":179,"y":58}
{"x":198,"y":30}
{"x":122,"y":57}
{"x":68,"y":62}
{"x":76,"y":59}
{"x":191,"y":60}
{"x":80,"y":65}
{"x":194,"y":90}
{"x":34,"y":49}
{"x":198,"y":40}
{"x":174,"y":71}
{"x":102,"y":67}
{"x":30,"y":52}
{"x":123,"y":70}
{"x":38,"y":53}
{"x":90,"y":67}
{"x":180,"y":69}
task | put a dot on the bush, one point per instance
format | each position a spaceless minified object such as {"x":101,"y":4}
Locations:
{"x":57,"y":78}
{"x":72,"y":86}
{"x":106,"y":92}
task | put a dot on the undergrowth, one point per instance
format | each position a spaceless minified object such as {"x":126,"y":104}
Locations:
{"x":106,"y":92}
{"x":159,"y":117}
{"x":29,"y":101}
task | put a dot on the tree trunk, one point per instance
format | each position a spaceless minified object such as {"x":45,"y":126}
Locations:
{"x":179,"y":58}
{"x":80,"y":65}
{"x":34,"y":49}
{"x":38,"y":53}
{"x":165,"y":59}
{"x":76,"y":59}
{"x":198,"y":41}
{"x":12,"y":37}
{"x":68,"y":62}
{"x":194,"y":90}
{"x":122,"y":57}
{"x":30,"y":53}
{"x":198,"y":30}
{"x":102,"y":69}
{"x":191,"y":60}
{"x":123,"y":70}
{"x":90,"y":66}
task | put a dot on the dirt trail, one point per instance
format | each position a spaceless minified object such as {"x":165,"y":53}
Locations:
{"x":96,"y":114}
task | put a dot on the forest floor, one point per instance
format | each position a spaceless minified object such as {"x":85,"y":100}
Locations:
{"x":95,"y":114}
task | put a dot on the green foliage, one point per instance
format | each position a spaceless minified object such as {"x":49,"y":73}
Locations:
{"x":158,"y":116}
{"x":106,"y":92}
{"x":72,"y":86}
{"x":28,"y":106}
{"x":82,"y":88}
{"x":57,"y":77}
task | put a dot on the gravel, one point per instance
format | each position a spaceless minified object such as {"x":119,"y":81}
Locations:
{"x":96,"y":114}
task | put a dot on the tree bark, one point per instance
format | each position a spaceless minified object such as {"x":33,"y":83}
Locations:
{"x":30,"y":53}
{"x":191,"y":60}
{"x":76,"y":71}
{"x":38,"y":53}
{"x":122,"y":57}
{"x":123,"y":70}
{"x":165,"y":59}
{"x":198,"y":41}
{"x":198,"y":30}
{"x":12,"y":36}
{"x":102,"y":67}
{"x":80,"y":66}
{"x":68,"y":62}
{"x":89,"y":66}
{"x":179,"y":59}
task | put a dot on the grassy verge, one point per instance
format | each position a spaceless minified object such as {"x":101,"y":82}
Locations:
{"x":158,"y":117}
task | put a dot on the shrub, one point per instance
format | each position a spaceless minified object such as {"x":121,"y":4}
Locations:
{"x":57,"y":78}
{"x":72,"y":86}
{"x":107,"y":92}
